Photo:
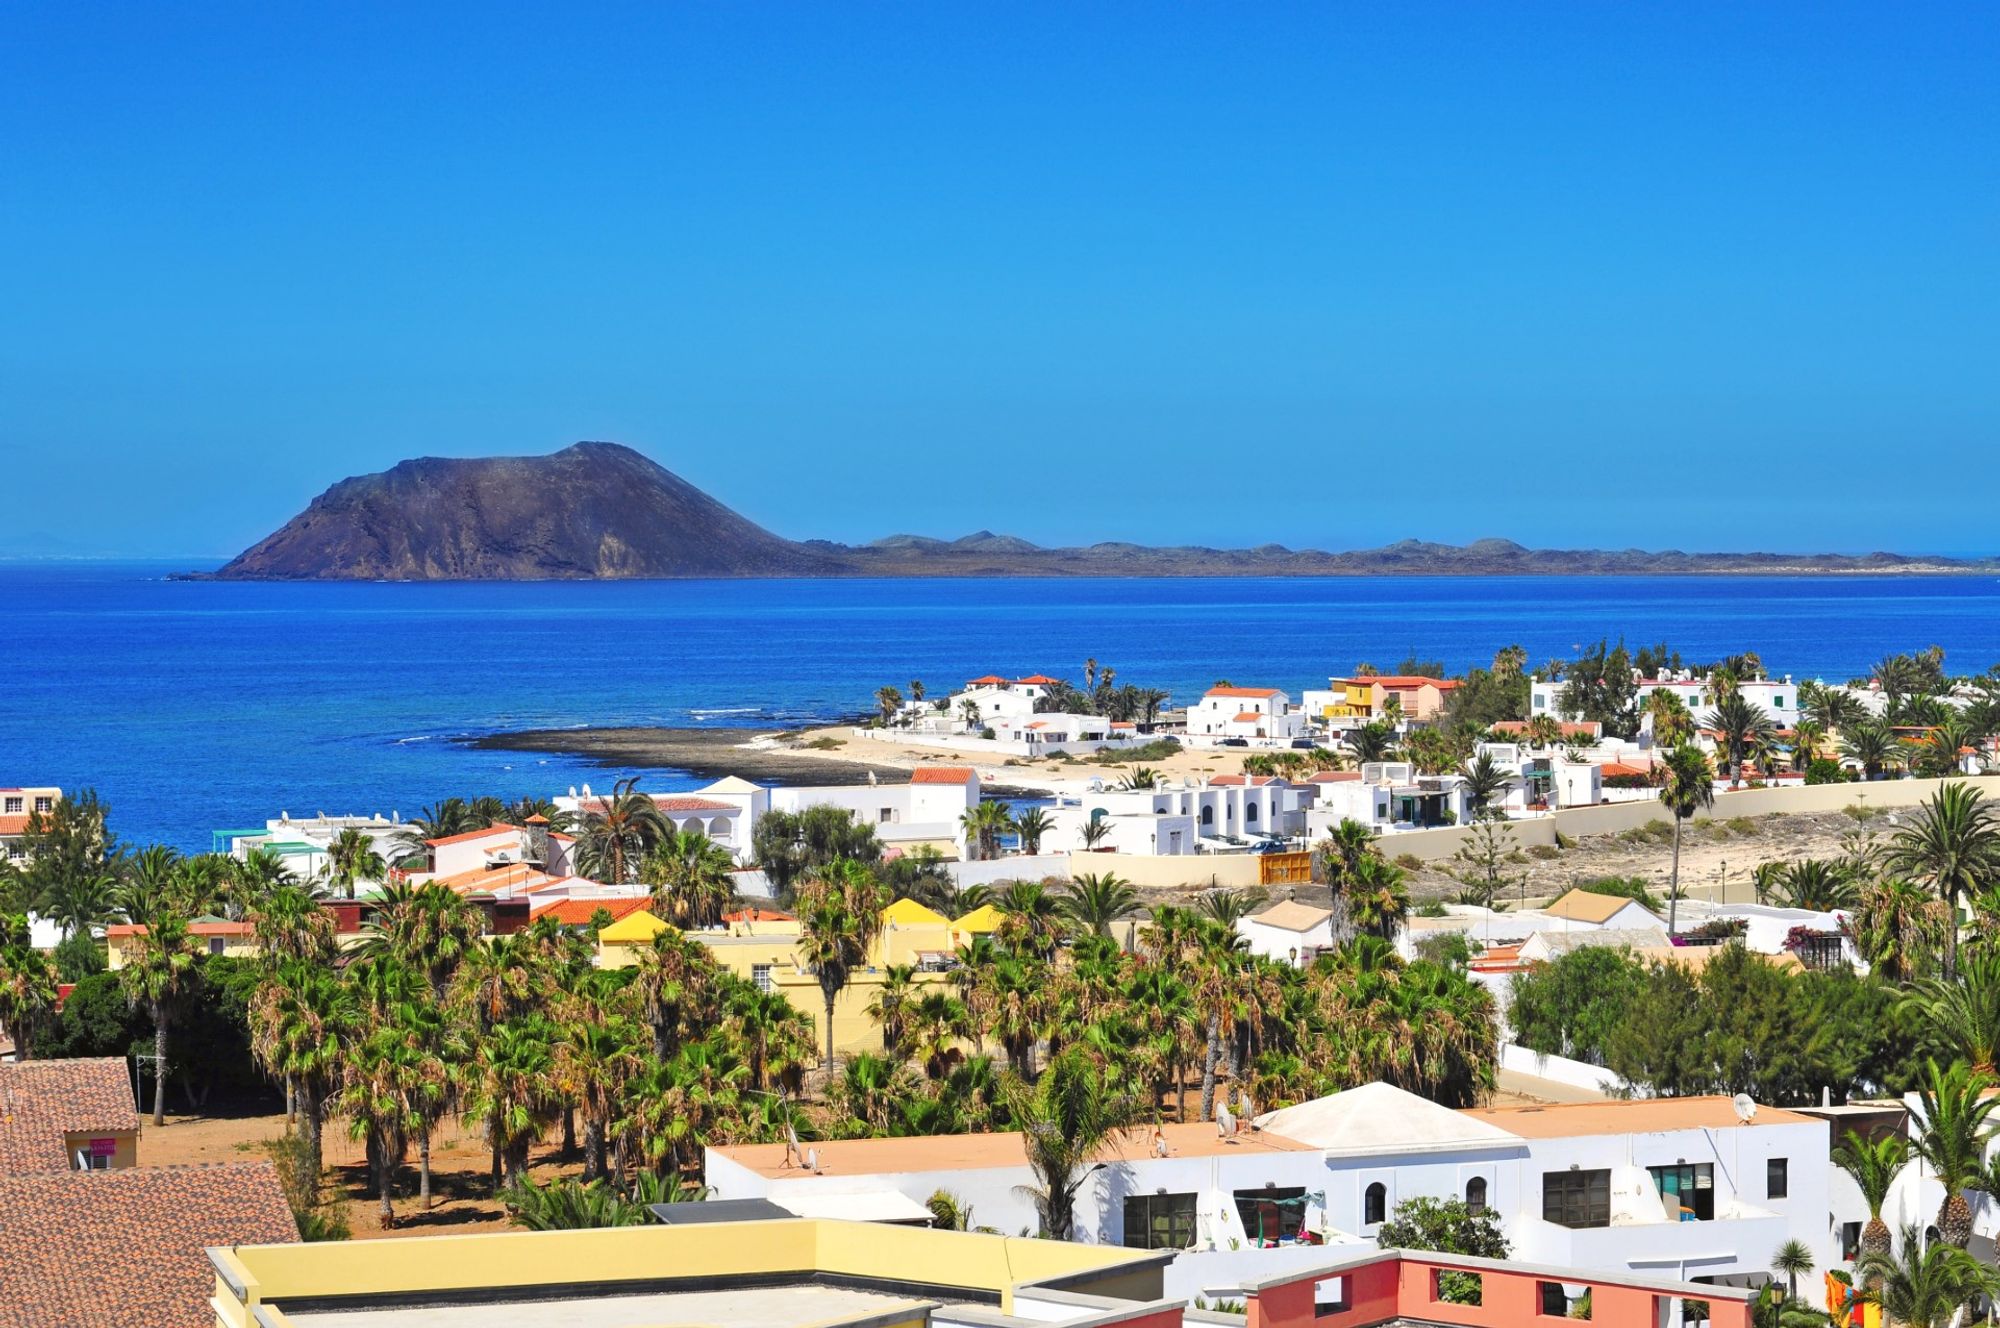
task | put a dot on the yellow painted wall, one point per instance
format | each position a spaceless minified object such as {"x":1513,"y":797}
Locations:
{"x":273,"y":1274}
{"x":125,"y":1155}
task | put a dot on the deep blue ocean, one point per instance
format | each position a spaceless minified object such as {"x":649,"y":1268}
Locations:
{"x":196,"y":705}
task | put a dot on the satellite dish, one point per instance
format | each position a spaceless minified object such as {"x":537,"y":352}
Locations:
{"x":1746,"y":1108}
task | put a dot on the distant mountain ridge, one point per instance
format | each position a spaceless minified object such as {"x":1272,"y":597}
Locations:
{"x":604,"y":511}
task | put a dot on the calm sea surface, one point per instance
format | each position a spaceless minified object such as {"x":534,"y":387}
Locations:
{"x":193,"y":705}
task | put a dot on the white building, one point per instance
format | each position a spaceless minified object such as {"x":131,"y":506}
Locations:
{"x":1777,"y":698}
{"x":17,"y":806}
{"x":1288,"y":930}
{"x":1263,"y":716}
{"x":1227,"y":814}
{"x":1681,"y":1188}
{"x":926,"y":810}
{"x":1053,"y":732}
{"x":1387,"y":796}
{"x":991,"y":698}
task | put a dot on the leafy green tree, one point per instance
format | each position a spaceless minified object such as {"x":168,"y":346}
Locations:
{"x":1447,"y":1226}
{"x":789,"y":846}
{"x":1573,"y":1004}
{"x":27,"y":986}
{"x":1600,"y":688}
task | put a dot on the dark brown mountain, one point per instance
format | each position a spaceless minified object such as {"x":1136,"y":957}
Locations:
{"x":600,"y":510}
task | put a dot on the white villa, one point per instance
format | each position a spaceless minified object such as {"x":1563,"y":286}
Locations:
{"x":1779,"y":699}
{"x":1263,"y":716}
{"x":1288,"y":930}
{"x":1683,"y":1188}
{"x":1226,"y":814}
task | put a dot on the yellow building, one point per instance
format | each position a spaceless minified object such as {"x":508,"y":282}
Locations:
{"x":756,"y":1274}
{"x":216,"y":936}
{"x":763,"y":948}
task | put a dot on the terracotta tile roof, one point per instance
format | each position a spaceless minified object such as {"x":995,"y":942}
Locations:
{"x":497,"y":828}
{"x":1248,"y":717}
{"x":1038,"y":680}
{"x":990,"y":680}
{"x":579,"y":912}
{"x":1613,"y":769}
{"x":943,"y":774}
{"x":83,"y":1248}
{"x":694,"y":805}
{"x":41,"y":1101}
{"x":501,"y":876}
{"x":14,"y":825}
{"x":1241,"y":691}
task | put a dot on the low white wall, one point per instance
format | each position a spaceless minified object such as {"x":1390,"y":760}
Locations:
{"x":1218,"y":1275}
{"x":1172,"y":871}
{"x":1017,"y":868}
{"x":1559,"y":1069}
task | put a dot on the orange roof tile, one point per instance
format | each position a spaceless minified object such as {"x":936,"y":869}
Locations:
{"x":1248,"y":717}
{"x":497,"y":828}
{"x":1241,"y":691}
{"x":990,"y":680}
{"x":694,"y":805}
{"x":579,"y":912}
{"x":944,"y":774}
{"x":14,"y":825}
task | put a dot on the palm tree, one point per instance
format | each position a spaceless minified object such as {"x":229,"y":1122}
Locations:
{"x":441,"y":820}
{"x":1872,"y":747}
{"x":840,"y":915}
{"x":301,"y":1023}
{"x":1687,"y":785}
{"x":888,"y":700}
{"x":1031,"y":825}
{"x":1067,"y":1118}
{"x":889,"y":1006}
{"x":377,"y":1074}
{"x":1834,"y":709}
{"x":1140,"y":777}
{"x":1792,"y":1260}
{"x":1954,"y":845}
{"x":690,"y":878}
{"x":982,"y":824}
{"x":160,"y":972}
{"x":1371,"y":742}
{"x":1228,"y":907}
{"x":512,"y":1075}
{"x":870,"y":1089}
{"x":1874,"y":1164}
{"x":1378,"y":897}
{"x":1096,"y":901}
{"x":1965,"y":1014}
{"x":1031,"y":919}
{"x":1739,"y":725}
{"x":617,"y":833}
{"x":1899,"y":928}
{"x":153,"y":878}
{"x":28,"y":984}
{"x":353,"y":858}
{"x":1923,"y":1288}
{"x":81,"y":902}
{"x":1485,"y":781}
{"x":1813,"y":883}
{"x":1953,"y":1140}
{"x":1094,"y":833}
{"x":1672,"y":724}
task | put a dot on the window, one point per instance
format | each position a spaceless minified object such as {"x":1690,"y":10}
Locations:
{"x":1777,"y":1178}
{"x":1208,"y":816}
{"x":1577,"y":1198}
{"x":14,"y":806}
{"x":45,"y":804}
{"x":91,"y":1160}
{"x":1687,"y":1191}
{"x":215,"y":945}
{"x":1541,"y":703}
{"x":1850,"y":1241}
{"x":1475,"y":1195}
{"x":760,"y":976}
{"x":1159,"y":1221}
{"x":1250,"y":812}
{"x":888,"y":815}
{"x":1777,"y":701}
{"x":1374,"y":1204}
{"x":1557,"y":1304}
{"x":1271,"y":1215}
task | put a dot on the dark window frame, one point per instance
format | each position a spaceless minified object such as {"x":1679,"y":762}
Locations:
{"x":1579,"y":1200}
{"x":1145,"y":1212}
{"x":1374,"y":1204}
{"x":1777,"y":1178}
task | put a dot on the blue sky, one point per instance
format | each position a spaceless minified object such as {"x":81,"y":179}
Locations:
{"x":1707,"y":276}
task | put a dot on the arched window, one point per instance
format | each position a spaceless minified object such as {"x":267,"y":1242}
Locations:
{"x":1208,"y":816}
{"x":1374,"y":1204}
{"x":1475,"y":1195}
{"x":1250,"y":812}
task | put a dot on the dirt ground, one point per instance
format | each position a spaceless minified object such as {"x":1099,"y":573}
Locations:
{"x":460,"y":1188}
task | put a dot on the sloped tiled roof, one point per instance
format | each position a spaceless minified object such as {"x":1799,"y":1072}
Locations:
{"x":579,"y":912}
{"x":692,"y":804}
{"x":1291,"y":915}
{"x":41,"y":1101}
{"x":497,"y":828}
{"x":83,"y":1248}
{"x":1241,"y":691}
{"x":943,"y":774}
{"x":1586,"y":906}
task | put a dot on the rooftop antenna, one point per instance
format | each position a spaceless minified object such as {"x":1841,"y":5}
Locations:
{"x":812,"y":1160}
{"x":791,"y":1145}
{"x":1746,"y":1108}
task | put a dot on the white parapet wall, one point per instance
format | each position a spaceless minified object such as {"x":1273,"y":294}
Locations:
{"x":1560,"y":1069}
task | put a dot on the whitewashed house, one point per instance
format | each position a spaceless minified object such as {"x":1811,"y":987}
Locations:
{"x":1227,"y":814}
{"x":1264,"y":716}
{"x":1288,"y":930}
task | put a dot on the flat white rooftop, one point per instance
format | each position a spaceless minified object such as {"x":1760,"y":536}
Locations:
{"x":749,"y":1307}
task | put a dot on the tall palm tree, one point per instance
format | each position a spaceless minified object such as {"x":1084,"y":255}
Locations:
{"x":1872,"y":747}
{"x":1485,"y":782}
{"x":1953,"y":844}
{"x":617,"y":833}
{"x":1874,"y":1165}
{"x":1964,"y":1014}
{"x":1792,"y":1260}
{"x":301,"y":1023}
{"x":840,"y":915}
{"x":889,"y":1007}
{"x":982,"y":825}
{"x":888,"y":700}
{"x":1923,"y":1288}
{"x":1094,"y":901}
{"x":1819,"y":885}
{"x":690,"y":878}
{"x":1228,"y":907}
{"x":1687,"y":785}
{"x":1739,"y":726}
{"x":1899,"y":928}
{"x":430,"y":927}
{"x":1031,"y":919}
{"x":1031,"y":825}
{"x":28,"y":984}
{"x":512,"y":1076}
{"x":353,"y":858}
{"x":152,"y":879}
{"x":1957,"y":1125}
{"x":1378,"y":898}
{"x":160,"y":973}
{"x":1834,"y":709}
{"x":1672,"y":724}
{"x":1066,"y":1118}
